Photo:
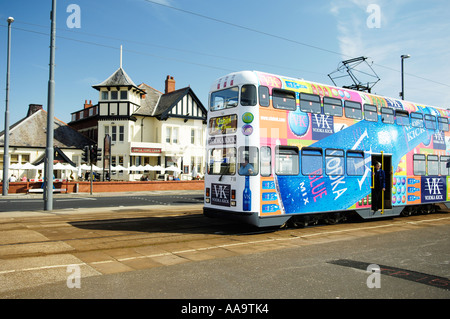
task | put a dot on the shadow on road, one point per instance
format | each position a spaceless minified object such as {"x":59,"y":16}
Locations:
{"x":187,"y":224}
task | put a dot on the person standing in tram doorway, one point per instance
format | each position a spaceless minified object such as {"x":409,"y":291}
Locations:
{"x":380,"y":186}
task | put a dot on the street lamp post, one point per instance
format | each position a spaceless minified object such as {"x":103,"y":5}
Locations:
{"x":402,"y":93}
{"x":5,"y":187}
{"x":48,"y":190}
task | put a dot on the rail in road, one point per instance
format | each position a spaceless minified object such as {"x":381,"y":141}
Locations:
{"x":39,"y":249}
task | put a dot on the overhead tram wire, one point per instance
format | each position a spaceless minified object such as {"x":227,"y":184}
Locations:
{"x":155,"y":45}
{"x":282,"y":38}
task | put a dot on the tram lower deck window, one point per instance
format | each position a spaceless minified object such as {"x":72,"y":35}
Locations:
{"x":222,"y":161}
{"x":286,"y":160}
{"x":248,"y":160}
{"x":312,"y":161}
{"x":355,"y":163}
{"x":419,"y":163}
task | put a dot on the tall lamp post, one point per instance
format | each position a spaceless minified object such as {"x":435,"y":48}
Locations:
{"x":48,"y":190}
{"x":5,"y":187}
{"x":402,"y":93}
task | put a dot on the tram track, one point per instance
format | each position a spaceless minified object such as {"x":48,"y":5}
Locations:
{"x":136,"y":230}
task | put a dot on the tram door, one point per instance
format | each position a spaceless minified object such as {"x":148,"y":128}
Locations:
{"x":386,"y":166}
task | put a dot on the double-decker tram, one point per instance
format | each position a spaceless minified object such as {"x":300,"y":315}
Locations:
{"x":282,"y":149}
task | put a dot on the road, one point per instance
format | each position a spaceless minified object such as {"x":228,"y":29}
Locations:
{"x":34,"y":202}
{"x":173,"y":251}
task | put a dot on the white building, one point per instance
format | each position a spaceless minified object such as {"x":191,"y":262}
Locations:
{"x":146,"y":126}
{"x":28,"y":142}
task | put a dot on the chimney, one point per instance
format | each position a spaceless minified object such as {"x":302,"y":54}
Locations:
{"x":86,"y":104}
{"x":170,"y":84}
{"x":33,"y":108}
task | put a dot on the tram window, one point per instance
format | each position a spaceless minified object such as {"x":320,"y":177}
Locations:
{"x":387,"y":115}
{"x":286,"y":160}
{"x":402,"y":117}
{"x":430,"y":122}
{"x":264,"y":99}
{"x":310,"y":103}
{"x":224,"y":99}
{"x":284,"y":99}
{"x":266,"y":161}
{"x":248,"y":95}
{"x":443,"y":124}
{"x":419,"y":164}
{"x":433,"y":165}
{"x":444,"y":170}
{"x":370,"y":113}
{"x":312,"y":161}
{"x":248,"y":160}
{"x":353,"y":110}
{"x":334,"y":162}
{"x":417,"y":119}
{"x":332,"y":106}
{"x":355,"y":163}
{"x":222,"y":161}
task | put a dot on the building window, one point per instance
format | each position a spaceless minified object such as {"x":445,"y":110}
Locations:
{"x":175,"y":135}
{"x":104,"y":95}
{"x":168,"y":134}
{"x":114,"y":133}
{"x":123,"y":95}
{"x":114,"y":95}
{"x":121,"y":133}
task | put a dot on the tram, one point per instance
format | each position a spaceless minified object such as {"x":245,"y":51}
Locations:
{"x":285,"y":150}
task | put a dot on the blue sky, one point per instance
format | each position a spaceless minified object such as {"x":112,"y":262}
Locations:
{"x":304,"y":39}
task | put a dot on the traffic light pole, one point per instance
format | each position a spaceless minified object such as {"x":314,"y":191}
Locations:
{"x":92,"y":176}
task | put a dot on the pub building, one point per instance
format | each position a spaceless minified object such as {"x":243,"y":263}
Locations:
{"x":145,"y":127}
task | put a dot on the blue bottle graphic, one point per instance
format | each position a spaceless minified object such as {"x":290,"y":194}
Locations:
{"x":247,"y":196}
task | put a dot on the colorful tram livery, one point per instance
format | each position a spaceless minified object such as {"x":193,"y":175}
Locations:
{"x":282,"y":149}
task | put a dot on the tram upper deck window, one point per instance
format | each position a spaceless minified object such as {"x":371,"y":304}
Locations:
{"x":283,"y":99}
{"x":370,"y":113}
{"x":443,"y":124}
{"x":224,"y":99}
{"x":402,"y":117}
{"x":312,"y":161}
{"x":387,"y":115}
{"x":353,"y":110}
{"x":222,"y":161}
{"x":417,"y":119}
{"x":264,"y":99}
{"x":286,"y":160}
{"x":430,"y":122}
{"x":332,"y":106}
{"x":419,"y":164}
{"x":310,"y":103}
{"x":248,"y":95}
